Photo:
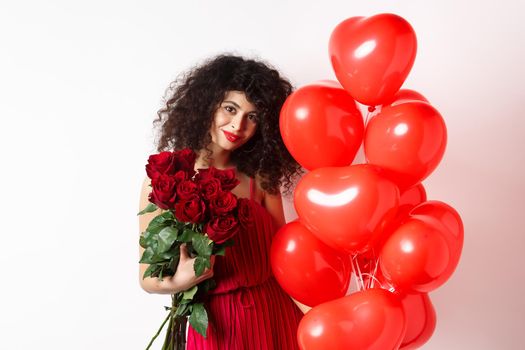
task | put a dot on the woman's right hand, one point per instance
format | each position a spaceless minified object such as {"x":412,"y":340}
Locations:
{"x":185,"y":277}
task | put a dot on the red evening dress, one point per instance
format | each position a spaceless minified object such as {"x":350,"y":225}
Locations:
{"x":248,"y":310}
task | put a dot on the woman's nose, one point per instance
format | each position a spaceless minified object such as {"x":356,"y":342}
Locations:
{"x":237,"y":122}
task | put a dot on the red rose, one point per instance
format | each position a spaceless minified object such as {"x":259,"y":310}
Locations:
{"x":222,"y":228}
{"x":169,"y":163}
{"x":227,"y":179}
{"x":223,"y":203}
{"x":185,"y":160}
{"x":204,"y":173}
{"x":180,"y":176}
{"x":245,"y":213}
{"x":210,"y":187}
{"x":187,"y":189}
{"x":158,"y":164}
{"x":164,"y":191}
{"x":190,"y":209}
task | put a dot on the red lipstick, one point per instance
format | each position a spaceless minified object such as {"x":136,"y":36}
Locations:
{"x":231,"y":137}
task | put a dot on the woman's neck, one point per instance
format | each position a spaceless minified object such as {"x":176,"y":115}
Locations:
{"x":219,"y":159}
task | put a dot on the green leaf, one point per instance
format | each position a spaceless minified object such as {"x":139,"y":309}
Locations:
{"x":201,"y":244}
{"x":163,"y":258}
{"x":167,"y":236}
{"x":187,"y":235}
{"x":142,"y":242}
{"x":168,"y":215}
{"x":182,"y":309}
{"x":188,"y":295}
{"x":220,"y":251}
{"x":228,"y":243}
{"x":207,"y":285}
{"x":201,"y":262}
{"x":167,"y":256}
{"x":160,"y":221}
{"x":155,"y":228}
{"x":174,"y":260}
{"x":151,"y":257}
{"x":147,"y":256}
{"x":149,"y":237}
{"x":199,"y":319}
{"x":149,"y":209}
{"x":150,"y":270}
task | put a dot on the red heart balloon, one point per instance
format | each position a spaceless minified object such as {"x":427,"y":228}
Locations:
{"x":346,"y":207}
{"x":420,"y":320}
{"x":417,"y":256}
{"x":371,"y":319}
{"x":408,"y":140}
{"x":321,"y":125}
{"x":307,"y":269}
{"x":403,"y":96}
{"x":372,"y":56}
{"x":408,"y":199}
{"x":451,"y":224}
{"x":445,"y":214}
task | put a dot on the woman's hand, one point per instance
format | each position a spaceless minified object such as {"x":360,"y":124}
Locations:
{"x":184,"y":277}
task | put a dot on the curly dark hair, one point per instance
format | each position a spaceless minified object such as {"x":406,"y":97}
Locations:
{"x":192,"y":99}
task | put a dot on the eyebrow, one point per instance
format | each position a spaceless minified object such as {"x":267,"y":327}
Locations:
{"x":236,"y":105}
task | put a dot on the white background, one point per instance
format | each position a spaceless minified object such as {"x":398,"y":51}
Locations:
{"x":80,"y":83}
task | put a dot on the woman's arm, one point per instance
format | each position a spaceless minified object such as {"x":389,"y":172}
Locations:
{"x":274,"y":206}
{"x":184,"y":277}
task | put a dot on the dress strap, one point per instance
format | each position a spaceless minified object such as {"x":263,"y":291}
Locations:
{"x":252,"y":188}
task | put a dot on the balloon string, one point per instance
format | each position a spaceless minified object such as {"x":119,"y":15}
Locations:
{"x":360,"y":274}
{"x":372,"y":278}
{"x":354,"y":269}
{"x":374,"y":275}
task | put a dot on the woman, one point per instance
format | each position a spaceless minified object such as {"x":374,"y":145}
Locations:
{"x":227,"y":111}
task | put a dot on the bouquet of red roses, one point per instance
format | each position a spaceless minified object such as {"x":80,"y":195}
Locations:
{"x":199,"y":210}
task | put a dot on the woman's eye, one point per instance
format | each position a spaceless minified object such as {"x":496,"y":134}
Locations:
{"x":230,"y":109}
{"x":252,"y":117}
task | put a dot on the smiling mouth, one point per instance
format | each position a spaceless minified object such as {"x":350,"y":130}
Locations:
{"x":231,"y":137}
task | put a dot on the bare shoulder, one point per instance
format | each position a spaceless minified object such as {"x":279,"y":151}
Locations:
{"x":273,"y":204}
{"x":259,"y":192}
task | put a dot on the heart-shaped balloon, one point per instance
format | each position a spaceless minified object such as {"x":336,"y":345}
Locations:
{"x":321,"y":125}
{"x":372,"y":56}
{"x":405,"y":95}
{"x":420,"y":320}
{"x":345,"y":207}
{"x":307,"y":269}
{"x":408,"y":199}
{"x":418,"y":255}
{"x":451,"y":224}
{"x":445,"y":214}
{"x":371,"y":319}
{"x":408,"y":140}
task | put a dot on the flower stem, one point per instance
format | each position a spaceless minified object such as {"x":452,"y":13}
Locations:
{"x":158,"y":332}
{"x":184,"y":321}
{"x":165,"y":346}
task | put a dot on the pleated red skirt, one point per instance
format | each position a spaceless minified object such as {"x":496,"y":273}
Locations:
{"x":248,"y":309}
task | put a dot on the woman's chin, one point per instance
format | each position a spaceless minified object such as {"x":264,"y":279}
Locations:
{"x":230,"y":147}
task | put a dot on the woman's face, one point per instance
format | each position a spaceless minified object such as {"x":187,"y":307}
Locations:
{"x":234,"y":122}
